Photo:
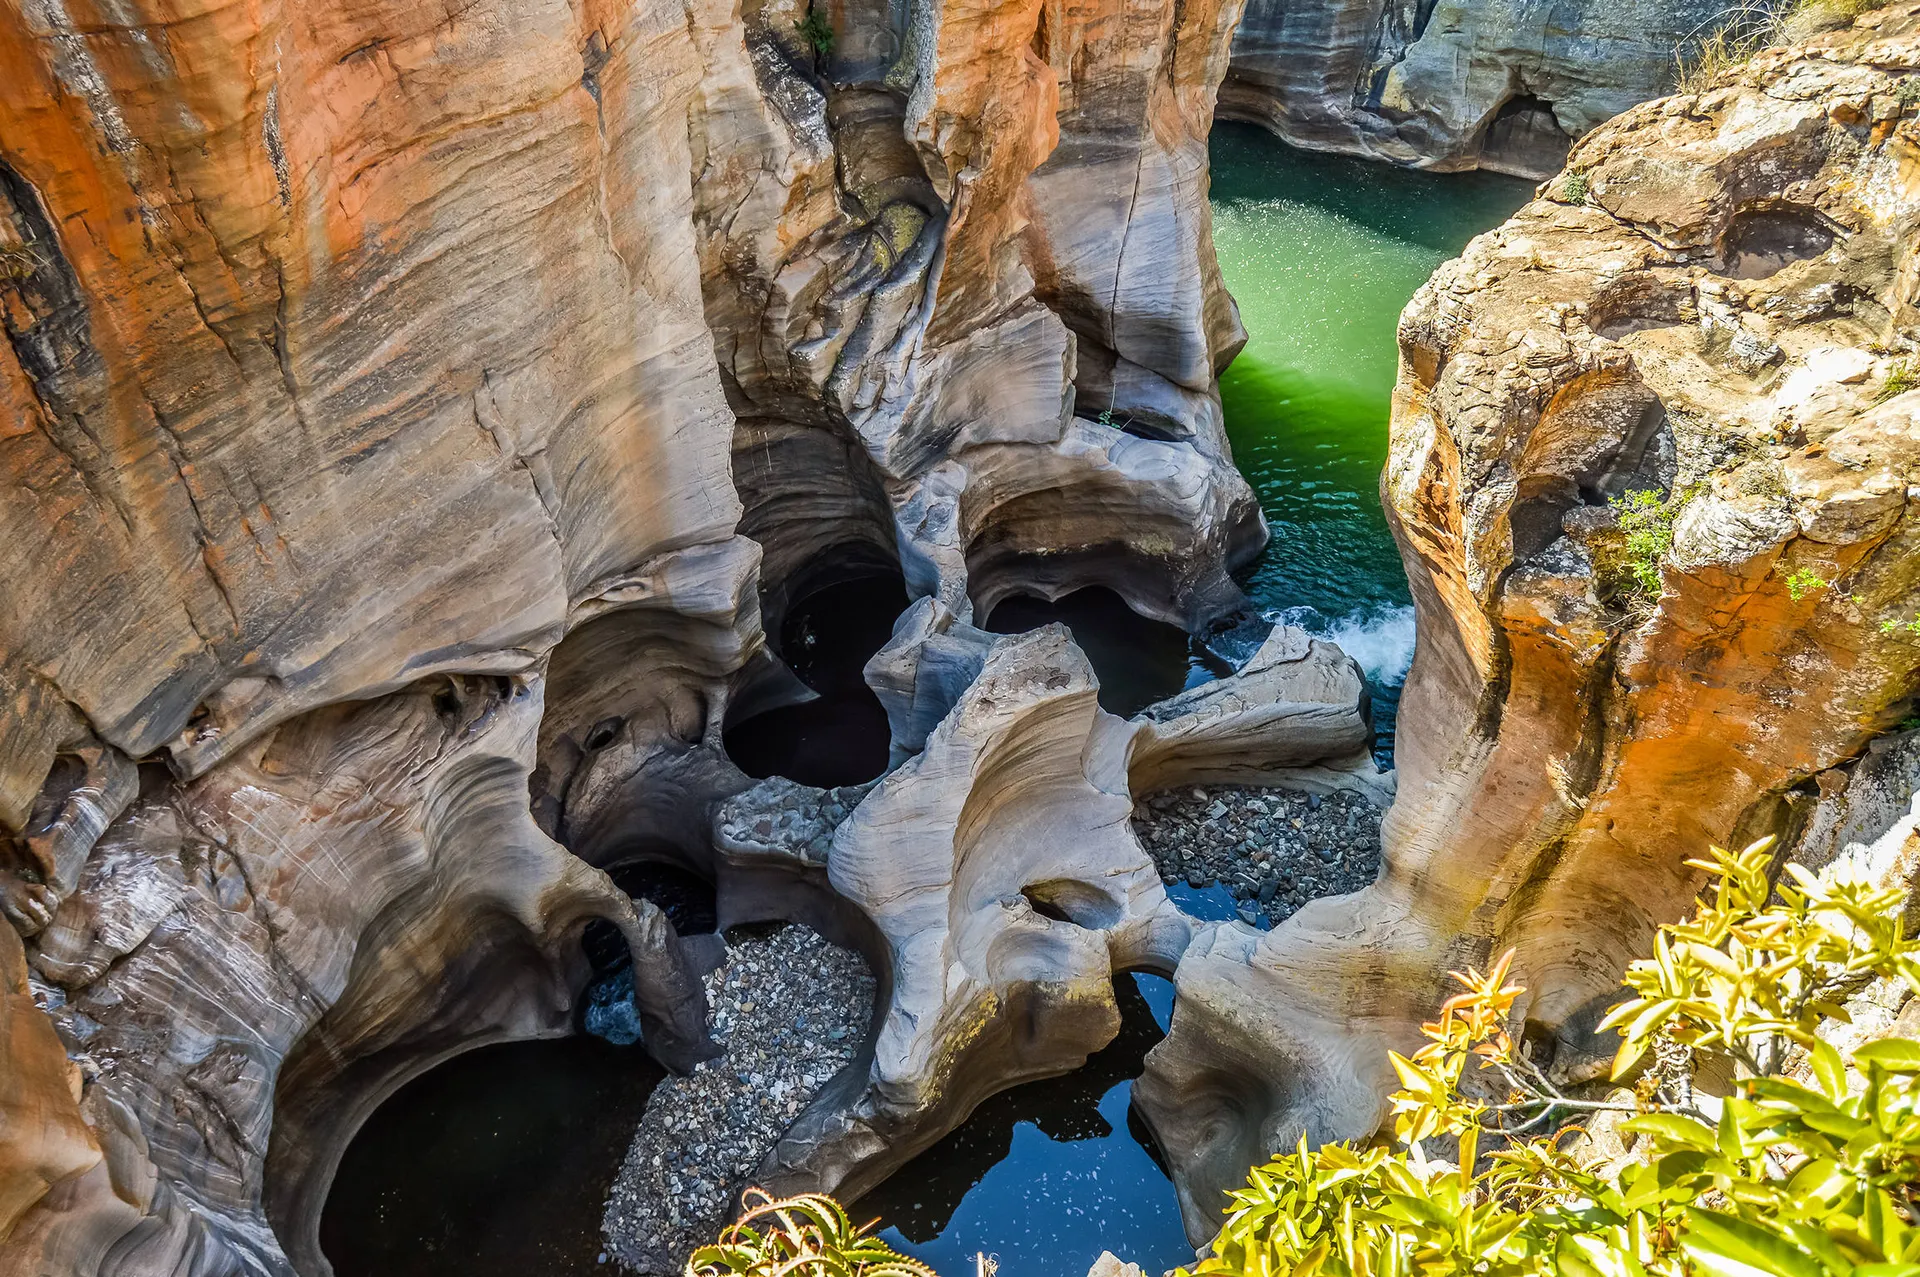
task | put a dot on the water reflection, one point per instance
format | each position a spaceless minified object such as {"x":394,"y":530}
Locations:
{"x":1047,"y":1175}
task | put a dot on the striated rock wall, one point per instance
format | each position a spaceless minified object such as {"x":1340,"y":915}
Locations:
{"x":1719,"y":320}
{"x":408,"y":412}
{"x":1453,"y":84}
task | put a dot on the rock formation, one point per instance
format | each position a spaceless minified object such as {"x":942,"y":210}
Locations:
{"x":1704,"y":331}
{"x":1453,"y":84}
{"x":411,"y":416}
{"x":995,"y":877}
{"x":419,"y":420}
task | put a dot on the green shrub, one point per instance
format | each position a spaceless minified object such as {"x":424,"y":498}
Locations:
{"x":806,"y":1236}
{"x":1646,"y":528}
{"x":817,"y":32}
{"x":1574,"y":188}
{"x":1803,"y":1176}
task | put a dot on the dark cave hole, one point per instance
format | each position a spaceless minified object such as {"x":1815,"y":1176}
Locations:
{"x":1138,"y":661}
{"x":606,"y":1007}
{"x":826,"y":637}
{"x":1637,"y":303}
{"x":602,"y":734}
{"x":1043,"y":1171}
{"x":1763,"y":242}
{"x":684,"y":896}
{"x":1525,"y":135}
{"x":1070,"y":900}
{"x":499,"y":1160}
{"x":1045,"y":908}
{"x":1641,"y":461}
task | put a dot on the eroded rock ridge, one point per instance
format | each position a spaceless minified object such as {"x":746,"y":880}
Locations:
{"x":1499,"y":84}
{"x":1654,"y":468}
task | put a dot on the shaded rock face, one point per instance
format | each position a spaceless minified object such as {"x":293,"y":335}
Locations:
{"x":1453,"y":84}
{"x":411,"y":417}
{"x":1717,"y":327}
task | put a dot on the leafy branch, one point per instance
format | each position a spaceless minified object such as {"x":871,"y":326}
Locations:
{"x":1806,"y":1168}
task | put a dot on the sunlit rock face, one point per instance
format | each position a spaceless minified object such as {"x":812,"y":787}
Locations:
{"x":1451,"y":84}
{"x":1716,"y":317}
{"x":410,"y":412}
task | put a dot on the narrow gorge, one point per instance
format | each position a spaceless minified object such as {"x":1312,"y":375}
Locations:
{"x":608,"y":602}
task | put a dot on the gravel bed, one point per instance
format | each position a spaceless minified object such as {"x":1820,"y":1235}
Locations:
{"x":1273,"y":849}
{"x":791,"y":1011}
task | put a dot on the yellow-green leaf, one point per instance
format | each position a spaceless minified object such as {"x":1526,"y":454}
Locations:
{"x":1732,"y":1247}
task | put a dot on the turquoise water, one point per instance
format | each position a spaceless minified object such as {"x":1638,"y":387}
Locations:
{"x":1322,"y":252}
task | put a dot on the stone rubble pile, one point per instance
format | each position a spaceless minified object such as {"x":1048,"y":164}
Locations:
{"x":1273,"y":849}
{"x":791,"y":1010}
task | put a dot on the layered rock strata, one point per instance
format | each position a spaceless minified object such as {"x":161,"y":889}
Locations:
{"x":1452,"y":84}
{"x":410,"y":415}
{"x":1654,"y":462}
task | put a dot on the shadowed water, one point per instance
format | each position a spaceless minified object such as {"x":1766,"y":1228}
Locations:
{"x":1138,"y":661}
{"x":841,"y":737}
{"x":497,"y":1162}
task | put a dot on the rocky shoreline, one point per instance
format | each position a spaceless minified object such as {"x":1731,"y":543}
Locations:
{"x":1272,"y":849}
{"x":791,"y":1010}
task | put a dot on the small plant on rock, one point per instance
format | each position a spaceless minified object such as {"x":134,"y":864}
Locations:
{"x":1903,"y":375}
{"x":806,"y":1236}
{"x":1807,"y":1166}
{"x":817,"y":32}
{"x":17,"y":261}
{"x":1574,"y":188}
{"x":1646,"y":523}
{"x":1804,"y":581}
{"x":1733,"y":35}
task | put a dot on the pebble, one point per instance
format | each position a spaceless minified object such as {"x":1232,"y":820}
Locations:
{"x":791,"y":1010}
{"x":1273,"y":849}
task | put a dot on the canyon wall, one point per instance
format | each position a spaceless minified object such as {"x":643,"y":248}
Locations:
{"x":1655,"y":474}
{"x":409,"y":412}
{"x":1453,"y":84}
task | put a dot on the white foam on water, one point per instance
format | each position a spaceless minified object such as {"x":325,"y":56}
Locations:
{"x":1381,"y":641}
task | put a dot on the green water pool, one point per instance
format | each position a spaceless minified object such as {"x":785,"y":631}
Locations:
{"x":1322,"y":252}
